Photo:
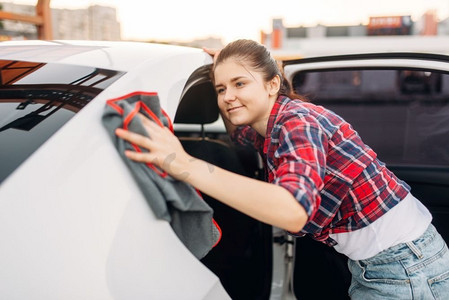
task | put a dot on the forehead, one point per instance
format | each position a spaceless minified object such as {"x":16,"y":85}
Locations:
{"x":232,"y":68}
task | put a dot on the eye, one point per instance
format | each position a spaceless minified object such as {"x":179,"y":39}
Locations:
{"x":220,"y":91}
{"x":239,"y":84}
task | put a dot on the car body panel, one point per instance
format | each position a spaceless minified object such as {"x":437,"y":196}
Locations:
{"x":149,"y":67}
{"x":122,"y":56}
{"x":76,"y":235}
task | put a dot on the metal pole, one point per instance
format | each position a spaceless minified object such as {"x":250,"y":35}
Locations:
{"x":42,"y":19}
{"x":44,"y":29}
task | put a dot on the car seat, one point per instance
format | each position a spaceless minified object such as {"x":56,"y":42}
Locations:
{"x":242,"y":259}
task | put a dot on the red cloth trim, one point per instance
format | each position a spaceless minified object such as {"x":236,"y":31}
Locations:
{"x":219,"y":231}
{"x":170,"y":124}
{"x":111,"y":102}
{"x":152,"y":114}
{"x":130,"y":117}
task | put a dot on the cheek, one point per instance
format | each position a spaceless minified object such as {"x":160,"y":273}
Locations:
{"x":220,"y":102}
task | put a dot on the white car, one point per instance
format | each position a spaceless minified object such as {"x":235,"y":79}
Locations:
{"x":75,"y":225}
{"x":73,"y":222}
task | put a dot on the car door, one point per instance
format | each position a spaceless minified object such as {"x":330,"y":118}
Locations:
{"x":242,"y":260}
{"x":399,"y":104}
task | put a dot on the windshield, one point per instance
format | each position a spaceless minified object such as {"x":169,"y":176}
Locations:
{"x":36,"y":99}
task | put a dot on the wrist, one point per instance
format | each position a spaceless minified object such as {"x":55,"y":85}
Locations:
{"x":197,"y":171}
{"x":177,"y":166}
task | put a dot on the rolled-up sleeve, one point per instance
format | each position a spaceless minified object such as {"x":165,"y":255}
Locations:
{"x":300,"y":159}
{"x":244,"y":136}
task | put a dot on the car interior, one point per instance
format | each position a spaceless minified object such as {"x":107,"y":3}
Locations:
{"x":401,"y":119}
{"x":403,"y":114}
{"x":242,"y":259}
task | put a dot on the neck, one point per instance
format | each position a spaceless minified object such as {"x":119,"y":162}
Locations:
{"x":261,"y":125}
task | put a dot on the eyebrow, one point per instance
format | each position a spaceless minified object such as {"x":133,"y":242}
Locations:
{"x":232,"y":80}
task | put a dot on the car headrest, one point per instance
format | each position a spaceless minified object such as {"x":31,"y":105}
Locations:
{"x":198,"y":103}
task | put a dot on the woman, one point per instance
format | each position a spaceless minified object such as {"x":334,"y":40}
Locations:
{"x":322,"y":180}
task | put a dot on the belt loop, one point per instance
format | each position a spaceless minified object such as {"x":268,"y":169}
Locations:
{"x":414,"y":249}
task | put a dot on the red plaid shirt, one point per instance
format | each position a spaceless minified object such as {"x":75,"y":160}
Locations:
{"x":322,"y":161}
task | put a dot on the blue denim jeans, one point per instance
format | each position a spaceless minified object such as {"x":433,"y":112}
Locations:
{"x":413,"y":270}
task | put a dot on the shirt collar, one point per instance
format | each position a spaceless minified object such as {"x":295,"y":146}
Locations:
{"x":274,"y":112}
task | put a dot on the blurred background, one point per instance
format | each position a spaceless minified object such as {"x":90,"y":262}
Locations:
{"x":289,"y":28}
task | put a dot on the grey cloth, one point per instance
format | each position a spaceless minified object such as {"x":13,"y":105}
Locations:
{"x":170,"y":199}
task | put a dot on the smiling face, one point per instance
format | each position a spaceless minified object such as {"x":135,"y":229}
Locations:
{"x":244,"y":97}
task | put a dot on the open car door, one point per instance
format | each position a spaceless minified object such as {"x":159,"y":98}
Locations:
{"x":399,"y":104}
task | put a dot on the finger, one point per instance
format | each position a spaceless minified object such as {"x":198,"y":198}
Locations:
{"x":144,"y":157}
{"x":156,"y":130}
{"x":148,"y":122}
{"x":213,"y":52}
{"x":144,"y":119}
{"x":134,"y":138}
{"x":210,"y":51}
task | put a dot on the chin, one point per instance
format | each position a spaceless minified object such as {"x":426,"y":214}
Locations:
{"x":237,"y":122}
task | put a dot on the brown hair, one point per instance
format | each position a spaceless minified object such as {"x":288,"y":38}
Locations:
{"x":259,"y":58}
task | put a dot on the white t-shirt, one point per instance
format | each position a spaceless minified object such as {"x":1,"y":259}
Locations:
{"x":405,"y":222}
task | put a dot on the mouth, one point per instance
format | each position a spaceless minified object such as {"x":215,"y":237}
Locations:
{"x":234,"y":108}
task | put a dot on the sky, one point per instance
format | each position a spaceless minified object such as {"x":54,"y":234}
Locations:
{"x":166,"y":20}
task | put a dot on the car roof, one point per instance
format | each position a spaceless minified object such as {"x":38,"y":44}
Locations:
{"x":368,"y":56}
{"x":415,"y":60}
{"x":115,"y":55}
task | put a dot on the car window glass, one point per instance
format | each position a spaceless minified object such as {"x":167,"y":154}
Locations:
{"x":403,"y":114}
{"x":36,"y":99}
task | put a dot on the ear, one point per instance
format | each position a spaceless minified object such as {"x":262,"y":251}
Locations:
{"x":274,"y":85}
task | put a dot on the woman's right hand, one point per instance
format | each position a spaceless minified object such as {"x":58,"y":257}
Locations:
{"x":164,"y":148}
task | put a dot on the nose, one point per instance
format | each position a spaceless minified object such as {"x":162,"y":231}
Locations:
{"x":229,"y":95}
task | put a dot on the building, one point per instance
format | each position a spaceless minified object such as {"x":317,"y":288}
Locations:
{"x":70,"y":24}
{"x":94,"y":23}
{"x":381,"y":34}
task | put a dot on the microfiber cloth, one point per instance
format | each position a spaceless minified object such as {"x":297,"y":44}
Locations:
{"x":170,"y":199}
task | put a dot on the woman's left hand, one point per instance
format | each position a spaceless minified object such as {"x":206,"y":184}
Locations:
{"x":212,"y":52}
{"x":165,"y":150}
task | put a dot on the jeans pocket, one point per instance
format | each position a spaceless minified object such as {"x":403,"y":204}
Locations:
{"x":383,"y":279}
{"x":439,"y":285}
{"x":390,"y":273}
